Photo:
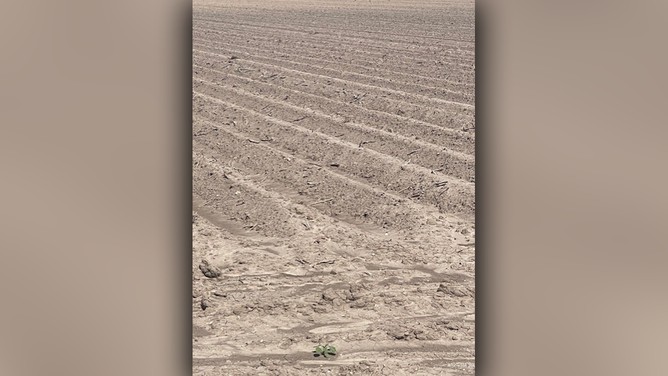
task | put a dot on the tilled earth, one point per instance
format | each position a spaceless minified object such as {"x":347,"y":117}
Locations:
{"x":333,"y":187}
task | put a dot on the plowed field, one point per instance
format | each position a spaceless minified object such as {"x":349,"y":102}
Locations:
{"x":333,"y":187}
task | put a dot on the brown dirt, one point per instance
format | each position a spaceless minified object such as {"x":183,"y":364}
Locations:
{"x":333,"y":187}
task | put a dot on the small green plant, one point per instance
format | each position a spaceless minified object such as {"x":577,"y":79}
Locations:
{"x":324,"y":351}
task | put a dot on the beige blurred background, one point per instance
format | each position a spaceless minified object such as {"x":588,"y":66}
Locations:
{"x":572,"y":254}
{"x":95,"y":156}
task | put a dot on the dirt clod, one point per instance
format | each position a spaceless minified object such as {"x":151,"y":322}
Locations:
{"x":209,"y":270}
{"x":456,"y":290}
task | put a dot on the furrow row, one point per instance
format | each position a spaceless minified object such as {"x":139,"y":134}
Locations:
{"x":413,"y":50}
{"x":434,"y":157}
{"x":342,"y":110}
{"x":384,"y":87}
{"x":455,"y":56}
{"x":417,"y":183}
{"x":275,"y":97}
{"x":333,"y":6}
{"x":395,"y":42}
{"x":242,"y":204}
{"x":350,"y":22}
{"x":293,"y":181}
{"x":346,"y":98}
{"x":434,"y":64}
{"x":323,"y":57}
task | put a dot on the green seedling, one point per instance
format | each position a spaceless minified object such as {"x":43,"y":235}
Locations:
{"x":324,"y":351}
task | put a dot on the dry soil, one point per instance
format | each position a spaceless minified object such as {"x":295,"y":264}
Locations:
{"x":333,"y":187}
